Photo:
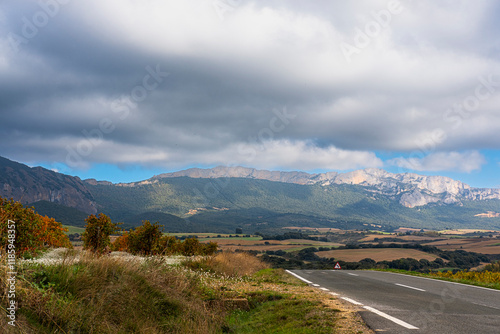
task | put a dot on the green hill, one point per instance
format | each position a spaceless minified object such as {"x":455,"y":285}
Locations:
{"x":63,"y":214}
{"x":231,"y":202}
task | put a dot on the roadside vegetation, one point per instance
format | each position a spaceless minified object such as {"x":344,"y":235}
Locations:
{"x":488,"y":277}
{"x":85,"y":292}
{"x":137,"y":290}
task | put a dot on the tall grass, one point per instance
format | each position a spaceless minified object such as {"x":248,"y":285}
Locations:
{"x":229,"y":264}
{"x":110,"y":295}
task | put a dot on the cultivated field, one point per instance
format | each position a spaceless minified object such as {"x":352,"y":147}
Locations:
{"x":256,"y":243}
{"x":478,"y":245}
{"x":372,"y":237}
{"x":465,"y":231}
{"x":377,"y":254}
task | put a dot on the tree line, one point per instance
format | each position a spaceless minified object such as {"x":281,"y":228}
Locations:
{"x":25,"y":233}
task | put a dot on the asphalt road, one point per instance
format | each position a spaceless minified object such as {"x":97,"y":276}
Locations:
{"x":396,"y":303}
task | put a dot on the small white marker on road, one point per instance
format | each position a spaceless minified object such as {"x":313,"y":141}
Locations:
{"x":352,"y":274}
{"x":324,"y":289}
{"x":409,"y":287}
{"x":315,"y":285}
{"x":334,"y":294}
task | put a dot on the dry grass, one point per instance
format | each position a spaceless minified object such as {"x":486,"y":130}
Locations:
{"x":229,"y":264}
{"x":111,"y":295}
{"x":82,"y":293}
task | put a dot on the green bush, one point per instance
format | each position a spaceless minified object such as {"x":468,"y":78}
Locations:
{"x":97,"y":232}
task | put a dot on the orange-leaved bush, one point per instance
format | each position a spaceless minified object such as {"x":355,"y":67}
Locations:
{"x":29,"y":231}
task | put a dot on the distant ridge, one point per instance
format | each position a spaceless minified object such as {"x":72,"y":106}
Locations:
{"x":411,"y":189}
{"x":222,"y":198}
{"x":30,"y":185}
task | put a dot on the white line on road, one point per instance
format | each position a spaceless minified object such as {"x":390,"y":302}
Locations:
{"x":334,"y":294}
{"x":391,"y":318}
{"x":324,"y":289}
{"x":487,"y":306}
{"x":301,"y":278}
{"x":437,"y":280}
{"x":382,"y":314}
{"x":352,"y":301}
{"x":409,"y":287}
{"x":352,"y":274}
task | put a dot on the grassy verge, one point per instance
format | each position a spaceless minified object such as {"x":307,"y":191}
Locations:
{"x":287,"y":315}
{"x":226,"y":293}
{"x":276,"y":301}
{"x":493,"y":282}
{"x":109,"y":295}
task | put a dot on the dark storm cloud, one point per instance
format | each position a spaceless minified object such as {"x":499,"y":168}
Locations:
{"x":263,"y":84}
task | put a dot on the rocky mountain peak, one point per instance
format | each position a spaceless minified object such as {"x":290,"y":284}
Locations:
{"x":409,"y":188}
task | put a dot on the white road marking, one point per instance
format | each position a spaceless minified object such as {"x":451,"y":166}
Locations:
{"x":487,"y":306}
{"x":352,"y":301}
{"x":324,"y":289}
{"x":438,"y":280}
{"x":301,"y":278}
{"x":389,"y":317}
{"x":409,"y":287}
{"x":352,"y":274}
{"x":371,"y":309}
{"x":334,"y":294}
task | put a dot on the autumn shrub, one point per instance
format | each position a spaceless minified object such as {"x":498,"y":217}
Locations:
{"x":147,"y":239}
{"x":169,"y":245}
{"x":121,"y":243}
{"x":144,"y":239}
{"x":33,"y":232}
{"x":97,"y":231}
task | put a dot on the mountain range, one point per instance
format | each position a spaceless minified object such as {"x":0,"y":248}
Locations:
{"x":222,"y":198}
{"x":409,"y":189}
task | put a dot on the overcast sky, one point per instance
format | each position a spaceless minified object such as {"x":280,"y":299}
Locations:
{"x":125,"y":89}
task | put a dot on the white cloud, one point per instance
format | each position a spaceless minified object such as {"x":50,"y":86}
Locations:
{"x":442,"y":161}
